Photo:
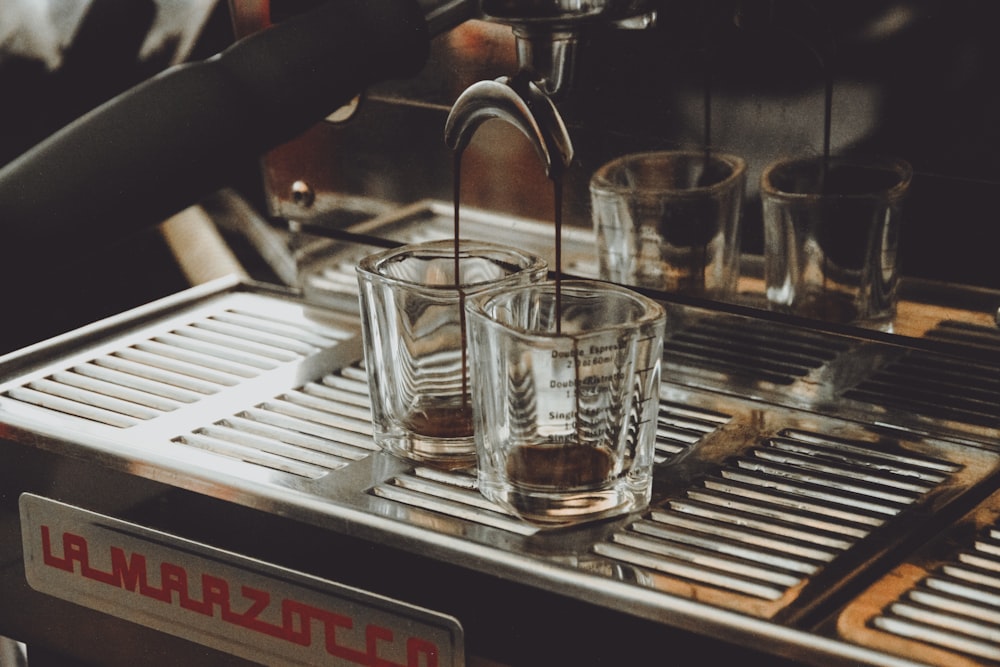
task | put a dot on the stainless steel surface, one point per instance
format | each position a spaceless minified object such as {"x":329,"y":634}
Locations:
{"x":939,"y":606}
{"x":12,"y":653}
{"x":549,"y":56}
{"x":326,"y":268}
{"x":777,"y":497}
{"x":549,"y":34}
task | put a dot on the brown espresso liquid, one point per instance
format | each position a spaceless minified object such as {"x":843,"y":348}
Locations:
{"x":441,"y":422}
{"x":564,"y":465}
{"x":559,"y":466}
{"x":545,"y":466}
{"x":451,"y":418}
{"x":456,"y":196}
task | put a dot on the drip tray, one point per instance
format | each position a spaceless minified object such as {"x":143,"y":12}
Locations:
{"x":767,"y":516}
{"x":942,"y":605}
{"x":327,"y":270}
{"x":759,"y":356}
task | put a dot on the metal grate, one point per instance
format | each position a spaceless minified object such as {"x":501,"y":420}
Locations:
{"x":166,"y":371}
{"x":452,"y":494}
{"x":324,"y":426}
{"x":759,"y":507}
{"x":455,"y":493}
{"x":957,"y":607}
{"x":309,"y":431}
{"x":680,"y":427}
{"x":328,"y":276}
{"x":766,"y":521}
{"x":941,"y":387}
{"x":941,"y":606}
{"x":758,"y":350}
{"x":337,"y":278}
{"x":985,"y":340}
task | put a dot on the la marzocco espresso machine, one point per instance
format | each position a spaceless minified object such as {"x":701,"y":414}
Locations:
{"x":194,"y":480}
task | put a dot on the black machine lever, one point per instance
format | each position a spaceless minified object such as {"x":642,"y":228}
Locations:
{"x":163,"y":145}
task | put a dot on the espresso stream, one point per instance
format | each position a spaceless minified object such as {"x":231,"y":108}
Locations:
{"x":449,"y":419}
{"x":549,"y":466}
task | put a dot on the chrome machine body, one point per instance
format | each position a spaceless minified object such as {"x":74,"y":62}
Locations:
{"x":193,"y":481}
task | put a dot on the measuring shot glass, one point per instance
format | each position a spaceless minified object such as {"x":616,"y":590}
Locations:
{"x":413,"y":328}
{"x":670,"y":220}
{"x":831,"y":237}
{"x":565,"y":396}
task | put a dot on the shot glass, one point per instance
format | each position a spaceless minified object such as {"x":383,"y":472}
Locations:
{"x":670,"y":220}
{"x":565,"y":397}
{"x":831,"y":237}
{"x":413,"y":329}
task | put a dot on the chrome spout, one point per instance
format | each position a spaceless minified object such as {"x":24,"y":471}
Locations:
{"x":520,"y":102}
{"x":549,"y":56}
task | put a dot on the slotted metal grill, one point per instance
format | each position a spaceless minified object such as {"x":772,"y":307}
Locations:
{"x":985,"y":340}
{"x":767,"y":520}
{"x":680,"y":427}
{"x":759,"y":351}
{"x":452,"y":494}
{"x":956,"y":608}
{"x":455,"y":493}
{"x":328,"y":275}
{"x":159,"y":374}
{"x":308,"y":432}
{"x":325,"y":425}
{"x":766,"y":505}
{"x":939,"y":387}
{"x":942,"y":605}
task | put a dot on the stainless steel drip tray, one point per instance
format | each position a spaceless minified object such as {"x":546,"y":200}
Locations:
{"x":940,"y":606}
{"x":763,"y":518}
{"x":326,"y":267}
{"x":723,"y":349}
{"x":895,"y":383}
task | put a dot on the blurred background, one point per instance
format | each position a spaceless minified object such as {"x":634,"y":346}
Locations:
{"x":915,"y":79}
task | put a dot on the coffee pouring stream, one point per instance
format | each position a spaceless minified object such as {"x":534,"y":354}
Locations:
{"x":520,"y":102}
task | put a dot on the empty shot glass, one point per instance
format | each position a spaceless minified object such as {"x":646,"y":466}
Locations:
{"x":670,"y":220}
{"x":831,"y":237}
{"x":413,"y":327}
{"x":565,"y":396}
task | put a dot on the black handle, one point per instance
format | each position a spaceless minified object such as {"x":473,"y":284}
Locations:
{"x":179,"y":136}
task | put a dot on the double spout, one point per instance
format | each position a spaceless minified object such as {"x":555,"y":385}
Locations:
{"x":521,"y":103}
{"x":547,"y":35}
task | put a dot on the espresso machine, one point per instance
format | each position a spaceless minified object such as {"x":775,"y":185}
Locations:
{"x":193,"y":480}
